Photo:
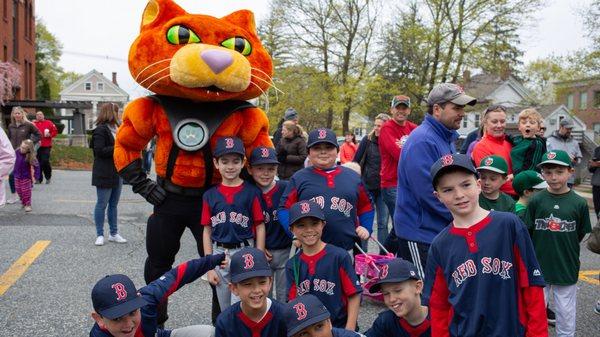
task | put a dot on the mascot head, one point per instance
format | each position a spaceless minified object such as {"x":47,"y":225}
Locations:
{"x":199,"y":57}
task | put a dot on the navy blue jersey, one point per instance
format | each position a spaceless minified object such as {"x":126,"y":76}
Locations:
{"x":232,"y":212}
{"x":234,"y":323}
{"x":160,"y":289}
{"x":476,"y":278}
{"x":328,"y":275}
{"x":276,"y":237}
{"x":336,"y":332}
{"x":341,"y":194}
{"x":388,"y":324}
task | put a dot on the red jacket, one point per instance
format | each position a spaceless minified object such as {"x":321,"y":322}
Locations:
{"x":347,"y":152}
{"x":43,"y":125}
{"x":391,"y":139}
{"x":488,"y":146}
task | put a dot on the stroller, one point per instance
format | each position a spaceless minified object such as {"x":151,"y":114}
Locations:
{"x":368,"y":267}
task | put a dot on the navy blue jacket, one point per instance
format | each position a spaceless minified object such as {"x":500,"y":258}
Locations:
{"x":234,"y":323}
{"x":388,"y":324}
{"x":419,"y":216}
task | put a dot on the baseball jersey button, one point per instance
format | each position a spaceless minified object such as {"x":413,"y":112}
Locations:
{"x":469,"y":233}
{"x":472,"y":244}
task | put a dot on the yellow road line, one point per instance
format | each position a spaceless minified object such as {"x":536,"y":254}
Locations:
{"x":589,"y":276}
{"x":21,"y":265}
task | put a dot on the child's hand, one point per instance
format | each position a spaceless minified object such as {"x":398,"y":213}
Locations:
{"x":212,"y":277}
{"x":225,"y":262}
{"x":297,"y":243}
{"x":362,"y":233}
{"x":268,"y":255}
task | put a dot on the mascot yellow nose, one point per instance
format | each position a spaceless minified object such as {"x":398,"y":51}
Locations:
{"x":217,"y":60}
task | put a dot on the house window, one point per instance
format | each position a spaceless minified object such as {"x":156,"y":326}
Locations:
{"x":596,"y":99}
{"x":570,"y":101}
{"x":88,"y":86}
{"x":5,"y":9}
{"x":476,"y":121}
{"x":465,"y":121}
{"x":16,"y":30}
{"x":583,"y":101}
{"x":100,"y":86}
{"x":5,"y":54}
{"x":596,"y":127}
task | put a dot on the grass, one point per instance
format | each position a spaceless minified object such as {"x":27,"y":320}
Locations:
{"x":71,"y":157}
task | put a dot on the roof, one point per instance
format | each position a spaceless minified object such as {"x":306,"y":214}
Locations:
{"x":578,"y":80}
{"x":86,"y":77}
{"x":482,"y":86}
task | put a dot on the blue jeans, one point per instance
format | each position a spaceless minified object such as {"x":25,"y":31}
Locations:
{"x":107,"y":197}
{"x":389,"y":199}
{"x":382,"y":216}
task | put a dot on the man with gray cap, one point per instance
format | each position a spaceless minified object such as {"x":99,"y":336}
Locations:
{"x":289,"y":115}
{"x":419,"y":216}
{"x":563,"y":140}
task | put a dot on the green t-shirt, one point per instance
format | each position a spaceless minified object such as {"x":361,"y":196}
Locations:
{"x":520,"y":210}
{"x":558,"y":222}
{"x":504,"y":203}
{"x":526,"y":153}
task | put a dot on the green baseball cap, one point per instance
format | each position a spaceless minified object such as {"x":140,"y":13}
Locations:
{"x":556,"y":157}
{"x":527,"y":180}
{"x":494,"y":163}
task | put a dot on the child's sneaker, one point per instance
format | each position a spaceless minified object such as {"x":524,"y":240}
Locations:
{"x":28,"y":209}
{"x":12,"y":199}
{"x":597,"y":308}
{"x":551,"y":316}
{"x":117,"y":238}
{"x":99,"y":241}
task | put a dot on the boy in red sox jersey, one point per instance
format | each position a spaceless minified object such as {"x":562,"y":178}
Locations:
{"x":401,"y":286}
{"x":482,"y":276}
{"x":322,"y":269}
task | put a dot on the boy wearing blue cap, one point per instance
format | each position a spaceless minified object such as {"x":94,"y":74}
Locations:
{"x":306,"y":316}
{"x":120,"y":310}
{"x":232,"y":214}
{"x":263,"y":168}
{"x":255,"y":315}
{"x":401,"y":286}
{"x":482,"y":276}
{"x":339,"y":191}
{"x":322,"y":269}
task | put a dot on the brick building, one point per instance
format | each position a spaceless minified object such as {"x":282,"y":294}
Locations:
{"x":582,"y":97}
{"x":17,"y":40}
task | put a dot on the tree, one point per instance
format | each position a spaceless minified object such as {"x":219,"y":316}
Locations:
{"x":9,"y":81}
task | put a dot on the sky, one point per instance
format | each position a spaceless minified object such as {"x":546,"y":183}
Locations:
{"x":96,"y":34}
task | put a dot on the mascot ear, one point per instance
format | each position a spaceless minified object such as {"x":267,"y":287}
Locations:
{"x":244,"y":19}
{"x":157,"y":10}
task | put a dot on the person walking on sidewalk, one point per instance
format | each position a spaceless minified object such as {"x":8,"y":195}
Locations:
{"x":104,"y":173}
{"x":24,"y":161}
{"x":47,"y":131}
{"x":7,"y":162}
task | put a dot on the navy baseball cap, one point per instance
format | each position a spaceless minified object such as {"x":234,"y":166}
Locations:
{"x":322,"y":135}
{"x":451,"y":161}
{"x":305,"y":209}
{"x":249,"y":262}
{"x":395,"y":271}
{"x":303,"y":312}
{"x":115,"y":296}
{"x":263,"y":155}
{"x":227,"y":145}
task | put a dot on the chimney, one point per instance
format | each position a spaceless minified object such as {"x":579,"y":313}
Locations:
{"x":466,"y":76}
{"x":114,"y":78}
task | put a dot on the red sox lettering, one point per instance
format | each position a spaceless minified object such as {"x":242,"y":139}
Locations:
{"x":319,"y":285}
{"x":300,"y":311}
{"x":488,"y":265}
{"x":248,"y":261}
{"x":337,"y":204}
{"x":234,"y":217}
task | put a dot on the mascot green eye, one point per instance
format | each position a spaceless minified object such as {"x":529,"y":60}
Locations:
{"x":238,"y":44}
{"x":181,"y":35}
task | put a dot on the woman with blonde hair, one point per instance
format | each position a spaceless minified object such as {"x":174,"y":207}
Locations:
{"x":19,"y":129}
{"x":104,"y":173}
{"x":291,"y":150}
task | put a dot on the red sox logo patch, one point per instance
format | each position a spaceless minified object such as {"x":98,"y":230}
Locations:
{"x":229,"y":143}
{"x":248,"y":261}
{"x":489,"y":161}
{"x":120,"y":291}
{"x":384,"y":271}
{"x":322,"y":134}
{"x":551,"y":155}
{"x":304,"y":208}
{"x":264,"y":152}
{"x":300,"y":311}
{"x":447,"y":160}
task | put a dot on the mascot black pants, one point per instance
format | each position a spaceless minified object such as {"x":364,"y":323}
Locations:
{"x":163,"y":234}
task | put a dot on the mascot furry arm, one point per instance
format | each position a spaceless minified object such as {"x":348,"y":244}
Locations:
{"x":202,"y":69}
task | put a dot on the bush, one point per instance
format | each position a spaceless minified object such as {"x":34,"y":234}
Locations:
{"x":71,"y":157}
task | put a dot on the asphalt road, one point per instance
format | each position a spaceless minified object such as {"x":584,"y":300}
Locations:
{"x":52,"y":297}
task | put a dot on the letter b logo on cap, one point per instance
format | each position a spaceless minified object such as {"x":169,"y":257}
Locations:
{"x":264,"y":152}
{"x":248,"y":261}
{"x":447,"y":160}
{"x":305,"y":208}
{"x":229,"y":143}
{"x":300,"y":311}
{"x":322,"y":134}
{"x":120,"y":291}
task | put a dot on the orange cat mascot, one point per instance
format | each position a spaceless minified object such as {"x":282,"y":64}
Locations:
{"x":202,"y":69}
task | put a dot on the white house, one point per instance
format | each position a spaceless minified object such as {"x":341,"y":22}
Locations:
{"x":96,"y":88}
{"x":491,"y":90}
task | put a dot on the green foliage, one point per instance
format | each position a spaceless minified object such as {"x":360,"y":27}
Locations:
{"x":71,"y":156}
